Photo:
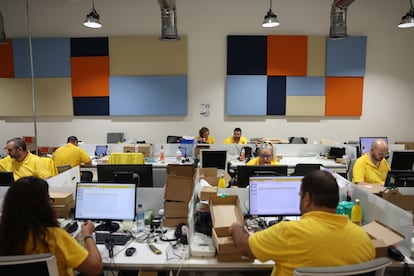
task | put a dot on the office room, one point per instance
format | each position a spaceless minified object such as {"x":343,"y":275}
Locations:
{"x":48,"y":101}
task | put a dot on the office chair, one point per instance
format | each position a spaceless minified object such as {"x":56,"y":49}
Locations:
{"x":37,"y":264}
{"x":374,"y":267}
{"x":303,"y":168}
{"x":350,"y":170}
{"x":86,"y":176}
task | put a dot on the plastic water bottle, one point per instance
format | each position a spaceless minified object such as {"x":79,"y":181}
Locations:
{"x":178,"y":155}
{"x":140,"y":218}
{"x":356,"y":213}
{"x":221,"y":182}
{"x":162,"y":156}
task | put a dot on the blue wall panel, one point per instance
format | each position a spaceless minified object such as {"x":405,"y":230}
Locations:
{"x":246,"y":95}
{"x":91,"y":106}
{"x":305,"y":86}
{"x":276,"y":95}
{"x":246,"y":55}
{"x":51,"y":57}
{"x":346,"y":57}
{"x":148,"y":95}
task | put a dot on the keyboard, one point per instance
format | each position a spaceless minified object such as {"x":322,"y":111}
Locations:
{"x":118,"y":238}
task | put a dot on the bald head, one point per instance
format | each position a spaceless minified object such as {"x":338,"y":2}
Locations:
{"x":379,"y":149}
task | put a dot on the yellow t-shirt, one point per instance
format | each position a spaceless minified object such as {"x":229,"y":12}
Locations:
{"x":365,"y":171}
{"x":32,"y":165}
{"x":317,"y":239}
{"x":230,"y":140}
{"x":256,"y":162}
{"x":210,"y":139}
{"x":70,"y":154}
{"x":68,"y":252}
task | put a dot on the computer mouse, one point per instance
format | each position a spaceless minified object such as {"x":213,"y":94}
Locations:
{"x":71,"y":227}
{"x":130,"y":251}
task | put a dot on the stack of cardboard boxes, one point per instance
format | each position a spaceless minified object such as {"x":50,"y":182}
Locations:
{"x":177,"y":194}
{"x":63,"y":204}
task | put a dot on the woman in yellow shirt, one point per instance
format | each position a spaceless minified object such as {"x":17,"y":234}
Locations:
{"x":204,"y":136}
{"x":266,"y":156}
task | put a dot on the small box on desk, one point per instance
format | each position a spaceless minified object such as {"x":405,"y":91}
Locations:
{"x":382,"y":236}
{"x":62,"y":204}
{"x":145,"y":149}
{"x":179,"y":188}
{"x":208,"y":191}
{"x":175,"y":209}
{"x":224,"y":212}
{"x":210,"y":175}
{"x":182,"y":170}
{"x":173,"y":222}
{"x":401,"y":198}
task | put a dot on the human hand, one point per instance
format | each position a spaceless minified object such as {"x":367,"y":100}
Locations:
{"x":87,"y":228}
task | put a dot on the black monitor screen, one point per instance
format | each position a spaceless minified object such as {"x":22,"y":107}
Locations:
{"x":365,"y":143}
{"x":6,"y":178}
{"x":213,"y":159}
{"x":399,"y":178}
{"x":141,"y":174}
{"x":402,"y":160}
{"x":105,"y":201}
{"x":274,"y":195}
{"x":245,"y":172}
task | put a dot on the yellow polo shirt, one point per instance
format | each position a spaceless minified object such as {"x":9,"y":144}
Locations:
{"x":230,"y":140}
{"x":365,"y":171}
{"x":256,"y":162}
{"x":317,"y":239}
{"x":210,"y":139}
{"x":32,"y":165}
{"x":70,"y":154}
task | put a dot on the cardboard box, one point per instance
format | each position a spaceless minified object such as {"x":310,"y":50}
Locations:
{"x":145,"y":149}
{"x":400,"y":198}
{"x":210,"y":175}
{"x":61,"y":198}
{"x":179,"y":188}
{"x":207,"y":191}
{"x":182,"y":170}
{"x":175,"y":209}
{"x":64,"y":211}
{"x":382,"y":236}
{"x":408,"y":145}
{"x":173,"y":222}
{"x":225,"y":211}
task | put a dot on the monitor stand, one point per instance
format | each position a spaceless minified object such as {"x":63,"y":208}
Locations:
{"x":107,"y":226}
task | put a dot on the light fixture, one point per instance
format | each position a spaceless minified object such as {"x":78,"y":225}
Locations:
{"x":338,"y":27}
{"x":3,"y":38}
{"x":92,"y":19}
{"x":270,"y":19}
{"x":407,"y":21}
{"x":168,"y":20}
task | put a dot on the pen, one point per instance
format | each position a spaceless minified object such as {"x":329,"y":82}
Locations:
{"x":154,"y":249}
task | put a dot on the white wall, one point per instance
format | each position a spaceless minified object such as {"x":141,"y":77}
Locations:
{"x":388,"y":86}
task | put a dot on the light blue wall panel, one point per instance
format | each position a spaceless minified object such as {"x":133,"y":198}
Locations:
{"x":346,"y":57}
{"x":246,"y":95}
{"x":147,"y":95}
{"x":51,"y":57}
{"x":305,"y":86}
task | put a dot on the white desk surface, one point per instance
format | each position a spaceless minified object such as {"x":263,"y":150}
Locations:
{"x":291,"y":161}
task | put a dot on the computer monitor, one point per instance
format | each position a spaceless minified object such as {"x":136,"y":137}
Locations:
{"x":6,"y":178}
{"x":245,"y":172}
{"x":399,"y":178}
{"x":402,"y":160}
{"x":101,"y":150}
{"x":274,"y":195}
{"x":213,"y":159}
{"x":106,"y":202}
{"x":365,"y":143}
{"x":141,"y":174}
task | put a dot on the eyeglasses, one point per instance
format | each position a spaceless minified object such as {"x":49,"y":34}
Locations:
{"x":265,"y":155}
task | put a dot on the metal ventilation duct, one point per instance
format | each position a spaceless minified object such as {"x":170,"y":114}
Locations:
{"x":338,"y":18}
{"x":168,"y":20}
{"x":3,"y":39}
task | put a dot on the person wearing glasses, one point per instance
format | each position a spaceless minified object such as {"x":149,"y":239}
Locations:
{"x":28,"y":225}
{"x":372,"y":168}
{"x":265,"y":156}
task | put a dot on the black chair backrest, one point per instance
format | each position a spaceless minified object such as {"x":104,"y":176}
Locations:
{"x":302,"y":169}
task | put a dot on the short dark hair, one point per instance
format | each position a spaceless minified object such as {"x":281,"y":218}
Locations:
{"x":18,"y":142}
{"x":202,"y":131}
{"x":72,"y":139}
{"x":237,"y":129}
{"x":322,"y":188}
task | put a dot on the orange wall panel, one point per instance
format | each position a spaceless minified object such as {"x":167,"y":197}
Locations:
{"x":287,"y":55}
{"x":6,"y":60}
{"x":90,"y":76}
{"x":344,"y":96}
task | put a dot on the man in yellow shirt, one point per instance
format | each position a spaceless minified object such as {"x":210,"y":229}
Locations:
{"x":21,"y":162}
{"x":319,"y":238}
{"x":71,"y":154}
{"x":372,"y":168}
{"x":237,"y":137}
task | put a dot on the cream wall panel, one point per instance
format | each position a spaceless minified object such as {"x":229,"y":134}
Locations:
{"x":305,"y":105}
{"x":147,"y":55}
{"x":16,"y":97}
{"x":316,"y":55}
{"x":53,"y":97}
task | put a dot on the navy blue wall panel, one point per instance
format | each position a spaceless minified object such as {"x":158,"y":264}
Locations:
{"x":276,"y":95}
{"x":89,"y":47}
{"x":91,"y":106}
{"x":246,"y":55}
